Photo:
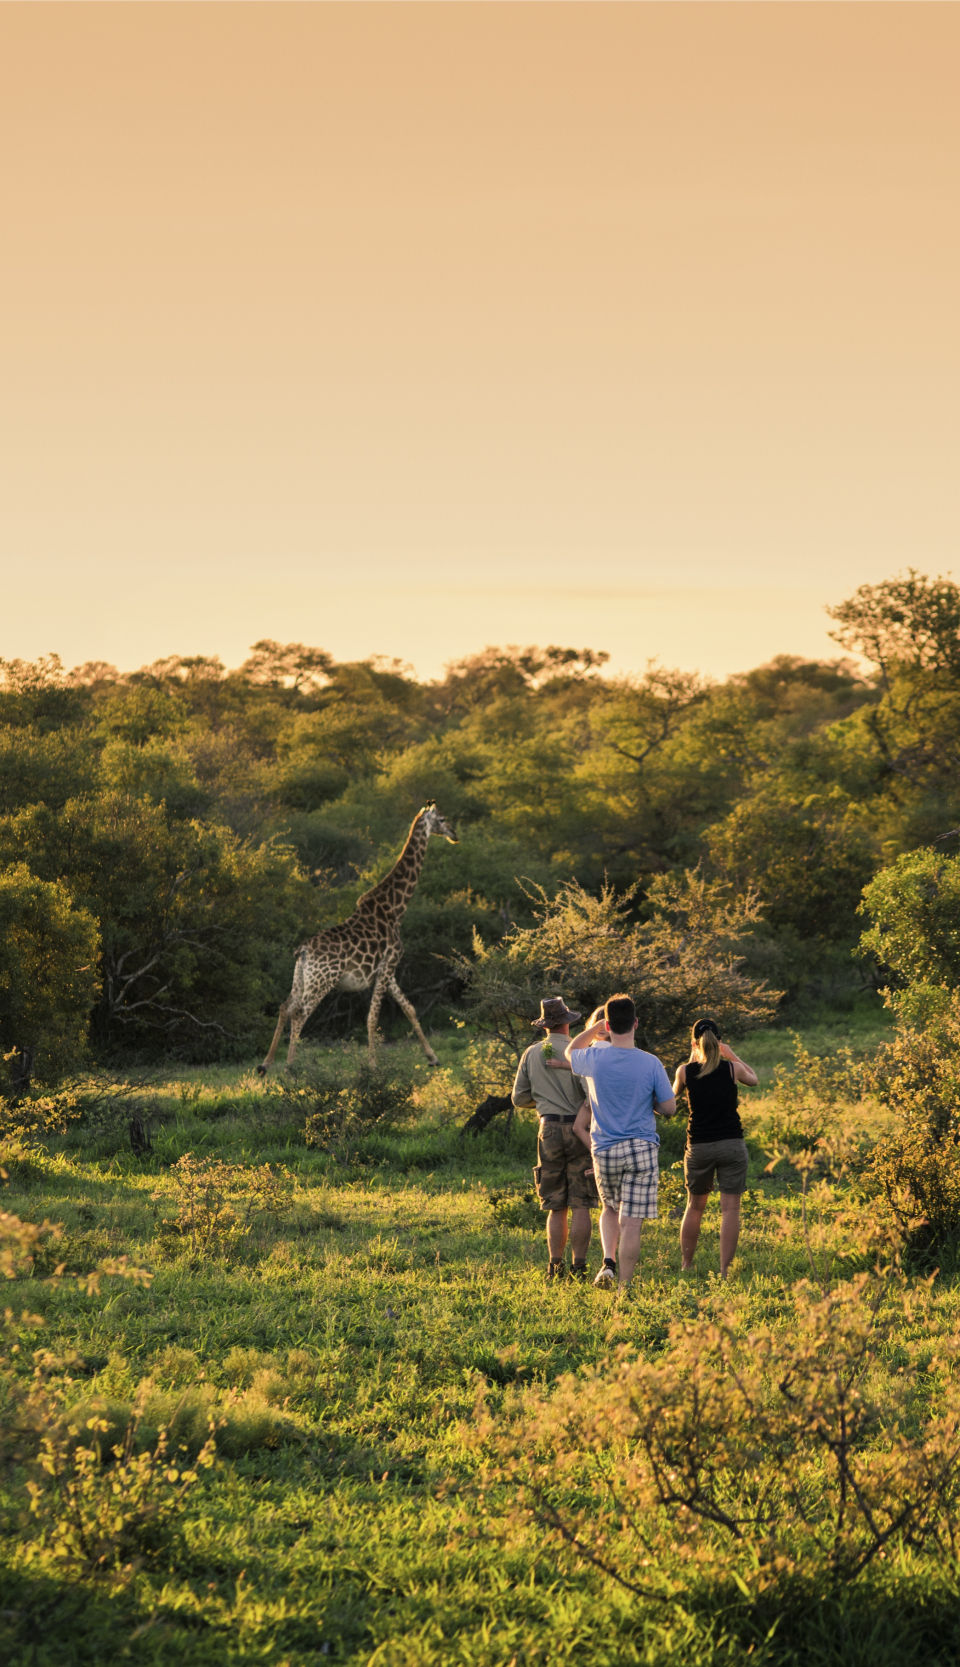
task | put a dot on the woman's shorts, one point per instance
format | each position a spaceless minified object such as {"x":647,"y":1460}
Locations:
{"x":725,"y":1159}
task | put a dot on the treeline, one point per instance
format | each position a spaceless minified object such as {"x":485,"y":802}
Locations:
{"x":169,"y":835}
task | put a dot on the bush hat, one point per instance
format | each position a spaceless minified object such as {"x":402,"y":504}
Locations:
{"x":554,"y":1012}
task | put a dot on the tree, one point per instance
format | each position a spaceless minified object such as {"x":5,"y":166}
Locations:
{"x":914,"y":910}
{"x":498,"y":672}
{"x":908,"y":621}
{"x":808,"y":851}
{"x":48,"y":971}
{"x":685,"y":959}
{"x":196,"y":924}
{"x":289,"y":666}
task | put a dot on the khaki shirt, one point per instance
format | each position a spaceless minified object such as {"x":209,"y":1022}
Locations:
{"x":558,"y":1093}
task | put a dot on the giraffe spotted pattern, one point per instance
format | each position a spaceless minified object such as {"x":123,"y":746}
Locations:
{"x":363,"y":952}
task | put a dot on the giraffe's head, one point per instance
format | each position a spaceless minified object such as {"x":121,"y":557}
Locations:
{"x":436,"y":823}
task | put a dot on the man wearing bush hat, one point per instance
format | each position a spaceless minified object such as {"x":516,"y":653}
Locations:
{"x":564,"y":1172}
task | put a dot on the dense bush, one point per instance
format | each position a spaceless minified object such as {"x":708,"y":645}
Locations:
{"x":914,"y":933}
{"x":914,"y":910}
{"x":196,"y":924}
{"x":917,"y":1164}
{"x":48,"y":971}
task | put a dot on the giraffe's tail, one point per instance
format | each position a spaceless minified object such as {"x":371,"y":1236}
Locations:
{"x":296,"y":989}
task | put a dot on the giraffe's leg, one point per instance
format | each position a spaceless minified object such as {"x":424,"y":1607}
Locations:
{"x":406,"y":1006}
{"x":306,"y":991}
{"x":287,"y":1010}
{"x":380,"y":984}
{"x":297,"y":1021}
{"x":311,"y":998}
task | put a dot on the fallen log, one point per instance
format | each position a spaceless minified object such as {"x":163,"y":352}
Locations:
{"x":490,"y":1108}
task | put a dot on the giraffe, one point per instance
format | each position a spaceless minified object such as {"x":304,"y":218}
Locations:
{"x":365,"y":949}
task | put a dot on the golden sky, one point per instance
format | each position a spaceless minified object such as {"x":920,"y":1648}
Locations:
{"x":404,"y":329}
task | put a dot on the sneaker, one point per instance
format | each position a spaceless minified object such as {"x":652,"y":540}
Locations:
{"x":579,"y":1270}
{"x":606,"y":1278}
{"x":555,"y":1270}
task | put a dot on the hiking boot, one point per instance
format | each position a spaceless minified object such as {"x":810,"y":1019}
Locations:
{"x":606,"y":1279}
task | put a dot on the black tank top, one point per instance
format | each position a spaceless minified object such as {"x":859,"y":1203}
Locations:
{"x":713,"y":1104}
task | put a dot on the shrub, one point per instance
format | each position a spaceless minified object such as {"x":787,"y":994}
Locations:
{"x":917,"y":1167}
{"x":517,"y":1209}
{"x":914,"y":908}
{"x":97,"y":1506}
{"x":808,"y":1117}
{"x":85,"y":1517}
{"x":742,"y":1456}
{"x":217,"y":1203}
{"x":488,"y":1067}
{"x":339,"y":1114}
{"x":914,"y":934}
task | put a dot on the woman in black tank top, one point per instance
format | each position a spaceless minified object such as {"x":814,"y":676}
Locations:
{"x":716,"y":1150}
{"x":713,"y":1100}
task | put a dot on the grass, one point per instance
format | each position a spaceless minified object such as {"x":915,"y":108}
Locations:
{"x":345,"y":1343}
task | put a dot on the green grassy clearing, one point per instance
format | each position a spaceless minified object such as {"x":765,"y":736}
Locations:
{"x":342,"y":1338}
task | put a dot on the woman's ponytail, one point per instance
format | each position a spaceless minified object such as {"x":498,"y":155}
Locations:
{"x":706,"y":1046}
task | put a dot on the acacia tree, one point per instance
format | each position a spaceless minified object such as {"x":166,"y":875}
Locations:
{"x":908,"y":621}
{"x":909,"y":628}
{"x":684,"y":959}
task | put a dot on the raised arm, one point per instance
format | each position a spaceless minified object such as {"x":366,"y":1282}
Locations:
{"x":586,"y":1037}
{"x":741,"y":1071}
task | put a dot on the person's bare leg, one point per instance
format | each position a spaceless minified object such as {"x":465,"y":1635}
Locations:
{"x":690,"y":1226}
{"x":609,"y":1232}
{"x":557,"y":1234}
{"x":580,"y":1229}
{"x":630,"y":1227}
{"x":729,"y":1229}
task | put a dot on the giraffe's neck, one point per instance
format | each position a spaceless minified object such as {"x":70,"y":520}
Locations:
{"x":391,"y":895}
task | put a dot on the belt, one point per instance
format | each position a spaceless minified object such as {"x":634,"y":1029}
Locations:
{"x":551,"y":1117}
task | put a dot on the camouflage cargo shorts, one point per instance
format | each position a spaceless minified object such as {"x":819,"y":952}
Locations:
{"x":564,"y":1173}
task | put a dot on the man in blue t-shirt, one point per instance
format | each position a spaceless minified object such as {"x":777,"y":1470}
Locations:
{"x":628,"y":1090}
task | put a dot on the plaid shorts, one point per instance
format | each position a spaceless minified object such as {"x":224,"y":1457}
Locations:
{"x":627,"y":1176}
